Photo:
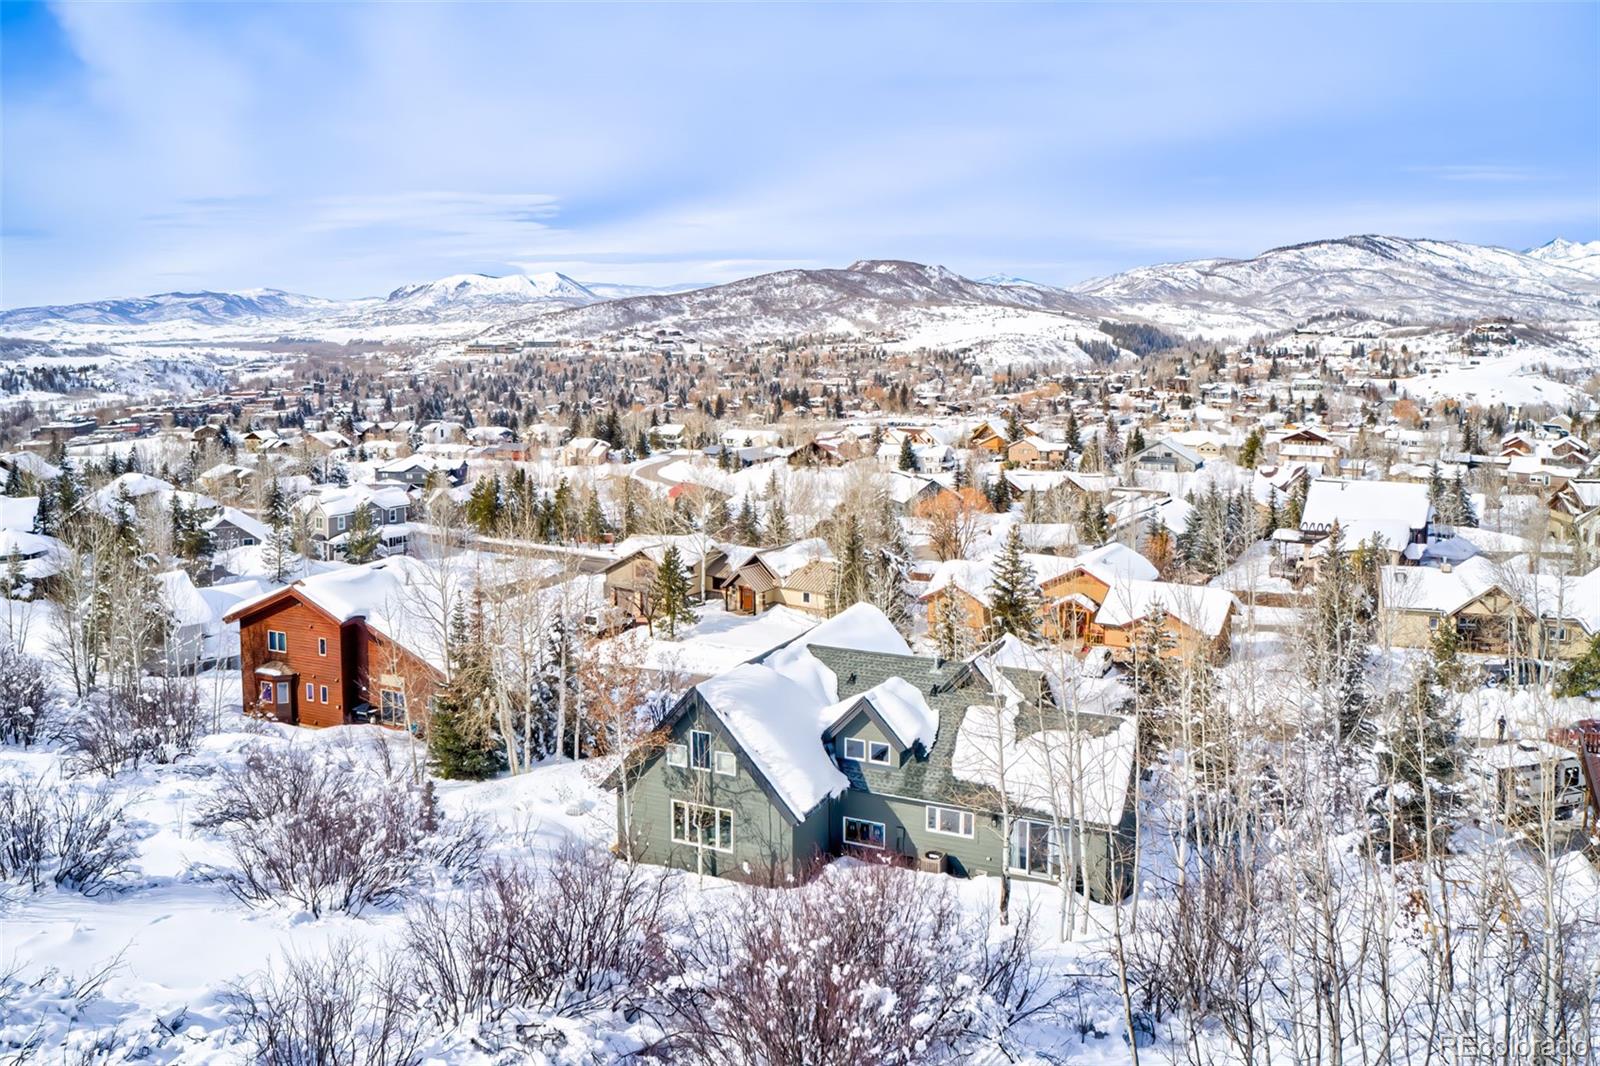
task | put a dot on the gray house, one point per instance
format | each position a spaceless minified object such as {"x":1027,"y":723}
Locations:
{"x":1168,"y":455}
{"x":822,"y":749}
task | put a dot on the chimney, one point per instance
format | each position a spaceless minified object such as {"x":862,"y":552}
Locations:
{"x":1445,"y":567}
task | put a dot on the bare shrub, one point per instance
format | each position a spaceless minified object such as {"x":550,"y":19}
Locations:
{"x":74,"y":837}
{"x":869,"y":967}
{"x":580,"y":934}
{"x":25,"y":696}
{"x":157,"y":721}
{"x":330,"y":835}
{"x":339,"y":1010}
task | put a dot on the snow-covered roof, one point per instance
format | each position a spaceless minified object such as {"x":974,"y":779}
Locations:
{"x":1380,"y":506}
{"x":775,"y":721}
{"x":860,"y":627}
{"x":1201,"y":609}
{"x":1074,"y":771}
{"x":18,"y":512}
{"x":783,"y":562}
{"x":336,"y":500}
{"x":400,"y":597}
{"x":1435,"y":589}
{"x":899,"y":704}
{"x":20,"y":542}
{"x":237,"y":518}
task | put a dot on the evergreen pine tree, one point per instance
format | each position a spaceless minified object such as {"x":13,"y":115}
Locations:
{"x":1421,"y":757}
{"x":1582,"y":676}
{"x":461,"y":740}
{"x":362,"y":539}
{"x":1093,"y":523}
{"x":484,"y":504}
{"x":1250,"y":453}
{"x":1465,"y":513}
{"x":669,"y":595}
{"x":44,"y":518}
{"x":778,"y":532}
{"x":280,"y":534}
{"x":747,"y":527}
{"x":1014,"y":593}
{"x":851,"y":565}
{"x":908,"y":455}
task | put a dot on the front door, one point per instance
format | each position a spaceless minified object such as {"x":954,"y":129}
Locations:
{"x":747,"y":600}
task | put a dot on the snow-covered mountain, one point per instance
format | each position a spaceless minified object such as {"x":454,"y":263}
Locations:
{"x":1327,"y":285}
{"x":466,"y":291}
{"x":1393,"y":278}
{"x":214,"y":308}
{"x":1575,"y":255}
{"x":922,"y":305}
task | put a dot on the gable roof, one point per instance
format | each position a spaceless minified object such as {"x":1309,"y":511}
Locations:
{"x":776,"y":723}
{"x":897,"y":705}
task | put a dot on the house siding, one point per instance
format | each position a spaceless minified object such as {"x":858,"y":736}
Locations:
{"x":767,"y":847}
{"x":303,"y":625}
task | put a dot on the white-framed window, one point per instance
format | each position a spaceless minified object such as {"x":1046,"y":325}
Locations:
{"x":950,"y":822}
{"x":277,"y":640}
{"x":700,"y":826}
{"x":323,"y":693}
{"x":677,"y":755}
{"x":394,"y":515}
{"x":322,"y":645}
{"x":283,"y":693}
{"x":392,"y":707}
{"x":311,"y":692}
{"x":700,"y":750}
{"x":339,"y":522}
{"x":874,"y":751}
{"x":725,"y":763}
{"x":1035,"y":848}
{"x":860,"y":833}
{"x":247,"y":541}
{"x":805,"y":597}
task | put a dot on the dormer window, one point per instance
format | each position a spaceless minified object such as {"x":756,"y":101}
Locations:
{"x":873,"y":751}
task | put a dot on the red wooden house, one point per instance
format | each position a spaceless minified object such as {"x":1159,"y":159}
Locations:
{"x":355,"y":644}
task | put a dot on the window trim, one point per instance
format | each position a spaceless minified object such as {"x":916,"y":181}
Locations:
{"x":678,"y":755}
{"x":718,"y":814}
{"x":865,"y":746}
{"x":311,"y":692}
{"x":963,"y":818}
{"x":322,"y":645}
{"x":398,"y":704}
{"x":693,"y":765}
{"x":888,"y":753}
{"x":720,"y":758}
{"x":322,"y":693}
{"x":278,"y":641}
{"x":862,"y":747}
{"x":844,"y":833}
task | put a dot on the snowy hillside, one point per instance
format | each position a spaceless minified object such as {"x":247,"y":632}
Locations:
{"x":1421,"y":281}
{"x":1573,"y":255}
{"x":214,"y":308}
{"x":909,"y":304}
{"x":1324,"y":286}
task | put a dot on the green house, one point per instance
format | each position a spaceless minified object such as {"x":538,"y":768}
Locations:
{"x":824,"y":749}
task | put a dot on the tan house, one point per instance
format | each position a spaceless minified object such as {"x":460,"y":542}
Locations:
{"x":1494,"y":609}
{"x":1036,"y":453}
{"x":1575,"y":510}
{"x":803,"y":575}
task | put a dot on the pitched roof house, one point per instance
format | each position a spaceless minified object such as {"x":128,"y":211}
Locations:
{"x":353,"y":644}
{"x":843,"y":742}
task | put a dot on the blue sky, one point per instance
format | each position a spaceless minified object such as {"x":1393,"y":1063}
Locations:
{"x":345,"y":150}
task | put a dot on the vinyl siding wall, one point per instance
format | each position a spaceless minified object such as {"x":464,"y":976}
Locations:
{"x":766,"y":847}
